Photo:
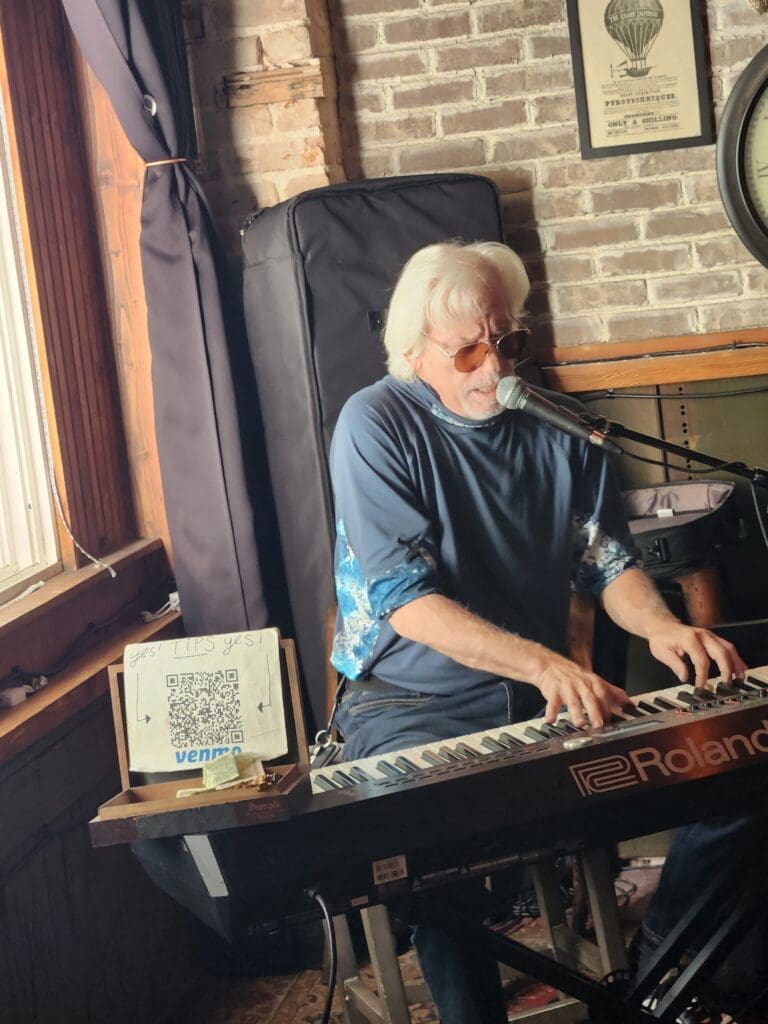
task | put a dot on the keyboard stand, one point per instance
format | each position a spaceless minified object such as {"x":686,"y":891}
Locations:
{"x":389,"y":1003}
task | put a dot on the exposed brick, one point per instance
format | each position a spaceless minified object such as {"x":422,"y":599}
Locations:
{"x":382,"y":66}
{"x":586,"y":172}
{"x":517,"y":14}
{"x":280,"y":153}
{"x":675,"y":161}
{"x":717,"y":252}
{"x":353,"y":37}
{"x":701,"y":188}
{"x":647,"y":195}
{"x":294,"y":185}
{"x":192,"y":21}
{"x":554,"y":109}
{"x":693,"y":286}
{"x":372,"y":164}
{"x":562,"y":269}
{"x":591,"y":234}
{"x":479,"y":55}
{"x":532,"y":80}
{"x":651,"y":323}
{"x":585,"y":297}
{"x":427,"y":27}
{"x":671,"y":223}
{"x":733,"y":15}
{"x":543,"y":206}
{"x":727,"y":52}
{"x":296,"y":116}
{"x":442,"y":156}
{"x":532,"y":144}
{"x":485,"y":118}
{"x":525,"y":240}
{"x":511,"y":179}
{"x":542,"y":47}
{"x":756,"y":279}
{"x":226,"y":16}
{"x":210,"y":62}
{"x":636,"y":262}
{"x":226,"y":127}
{"x":284,"y":45}
{"x":360,"y":101}
{"x":726,"y":316}
{"x":566,"y":333}
{"x":349,"y":8}
{"x":400,"y":129}
{"x":454,"y":90}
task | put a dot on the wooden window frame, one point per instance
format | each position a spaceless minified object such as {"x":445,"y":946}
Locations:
{"x":95,"y":367}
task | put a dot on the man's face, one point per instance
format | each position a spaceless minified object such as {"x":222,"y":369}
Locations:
{"x":473,"y":394}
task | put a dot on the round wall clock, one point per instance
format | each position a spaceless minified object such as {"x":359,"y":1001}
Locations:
{"x":742,"y":156}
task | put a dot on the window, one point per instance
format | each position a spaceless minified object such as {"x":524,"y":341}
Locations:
{"x":28,"y":549}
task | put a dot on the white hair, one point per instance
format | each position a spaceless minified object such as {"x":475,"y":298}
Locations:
{"x":447,"y":282}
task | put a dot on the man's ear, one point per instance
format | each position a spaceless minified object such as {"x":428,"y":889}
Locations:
{"x":414,"y":361}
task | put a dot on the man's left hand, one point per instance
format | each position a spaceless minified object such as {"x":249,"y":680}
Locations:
{"x":674,"y":640}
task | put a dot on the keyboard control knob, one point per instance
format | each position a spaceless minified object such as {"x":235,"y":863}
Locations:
{"x":577,"y":742}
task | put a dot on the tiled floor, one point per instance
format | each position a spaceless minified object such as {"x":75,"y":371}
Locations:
{"x":300,"y":998}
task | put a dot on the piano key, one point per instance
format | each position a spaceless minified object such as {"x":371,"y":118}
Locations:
{"x":665,"y":704}
{"x":323,"y":783}
{"x":388,"y":769}
{"x":405,"y":764}
{"x":535,"y":733}
{"x":492,"y":744}
{"x":510,"y":741}
{"x":358,"y":774}
{"x":434,"y":760}
{"x":342,"y":778}
{"x":629,"y":711}
{"x":450,"y":755}
{"x":464,"y":748}
{"x":649,"y":709}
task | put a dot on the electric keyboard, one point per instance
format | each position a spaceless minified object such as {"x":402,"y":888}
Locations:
{"x":417,"y":818}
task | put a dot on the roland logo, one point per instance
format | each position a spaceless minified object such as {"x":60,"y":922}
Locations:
{"x":649,"y":764}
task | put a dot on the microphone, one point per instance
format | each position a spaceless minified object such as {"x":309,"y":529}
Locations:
{"x":512,"y":393}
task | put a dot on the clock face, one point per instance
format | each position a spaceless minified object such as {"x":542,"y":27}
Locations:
{"x":755,"y":157}
{"x":742,"y":156}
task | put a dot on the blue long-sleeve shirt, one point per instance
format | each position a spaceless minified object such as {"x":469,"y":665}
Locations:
{"x":504,"y":516}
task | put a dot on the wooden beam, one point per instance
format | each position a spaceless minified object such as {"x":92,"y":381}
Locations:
{"x":274,"y":85}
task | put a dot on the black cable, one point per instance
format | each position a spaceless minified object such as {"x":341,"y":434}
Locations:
{"x":331,"y":932}
{"x":613,"y":393}
{"x":682,"y":469}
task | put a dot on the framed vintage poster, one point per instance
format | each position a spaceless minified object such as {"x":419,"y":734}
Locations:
{"x":640,"y":74}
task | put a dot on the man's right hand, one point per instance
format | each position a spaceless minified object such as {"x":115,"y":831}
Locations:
{"x":564,"y":683}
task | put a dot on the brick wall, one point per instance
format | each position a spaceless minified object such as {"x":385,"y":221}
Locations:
{"x":618,"y":248}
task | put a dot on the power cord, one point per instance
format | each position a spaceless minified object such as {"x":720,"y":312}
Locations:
{"x":331,"y":933}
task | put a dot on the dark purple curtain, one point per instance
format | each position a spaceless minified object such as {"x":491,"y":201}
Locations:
{"x":214,"y":474}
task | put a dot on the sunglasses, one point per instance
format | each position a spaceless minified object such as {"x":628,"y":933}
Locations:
{"x":472,"y":355}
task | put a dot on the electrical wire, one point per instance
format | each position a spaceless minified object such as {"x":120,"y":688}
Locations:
{"x":682,"y":469}
{"x":758,"y":513}
{"x":614,"y":393}
{"x":331,"y":933}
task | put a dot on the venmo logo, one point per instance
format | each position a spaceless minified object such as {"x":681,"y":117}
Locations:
{"x":645,"y":764}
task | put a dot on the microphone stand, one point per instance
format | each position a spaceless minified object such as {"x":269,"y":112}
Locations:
{"x":610,"y":428}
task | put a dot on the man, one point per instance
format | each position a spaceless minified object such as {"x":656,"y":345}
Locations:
{"x":462,"y":530}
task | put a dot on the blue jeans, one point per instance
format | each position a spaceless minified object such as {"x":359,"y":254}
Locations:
{"x":464,"y":982}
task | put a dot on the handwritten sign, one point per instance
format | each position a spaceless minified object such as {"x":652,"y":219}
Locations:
{"x":190,"y":700}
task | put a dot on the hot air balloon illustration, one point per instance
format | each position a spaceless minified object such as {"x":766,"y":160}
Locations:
{"x":634,"y":24}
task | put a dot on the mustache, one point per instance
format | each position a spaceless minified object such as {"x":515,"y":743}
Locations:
{"x":489,"y":380}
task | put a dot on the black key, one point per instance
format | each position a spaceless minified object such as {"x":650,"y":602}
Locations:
{"x":665,"y":705}
{"x":467,"y":751}
{"x":359,"y":775}
{"x":433,"y":759}
{"x":724,"y":690}
{"x":552,"y":731}
{"x":493,"y":745}
{"x":756,"y":682}
{"x":565,"y":723}
{"x":450,"y":755}
{"x":325,"y":784}
{"x":389,"y":770}
{"x":534,"y":733}
{"x":629,"y":711}
{"x":690,"y":699}
{"x":405,"y":764}
{"x":342,"y":778}
{"x":510,"y":741}
{"x":649,"y":709}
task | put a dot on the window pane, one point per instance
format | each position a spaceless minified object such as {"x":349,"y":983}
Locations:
{"x":27,"y":535}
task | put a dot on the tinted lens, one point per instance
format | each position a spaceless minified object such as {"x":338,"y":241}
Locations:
{"x":470,"y":357}
{"x":509,"y":346}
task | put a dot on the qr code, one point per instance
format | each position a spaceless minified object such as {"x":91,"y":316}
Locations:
{"x":204,"y":708}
